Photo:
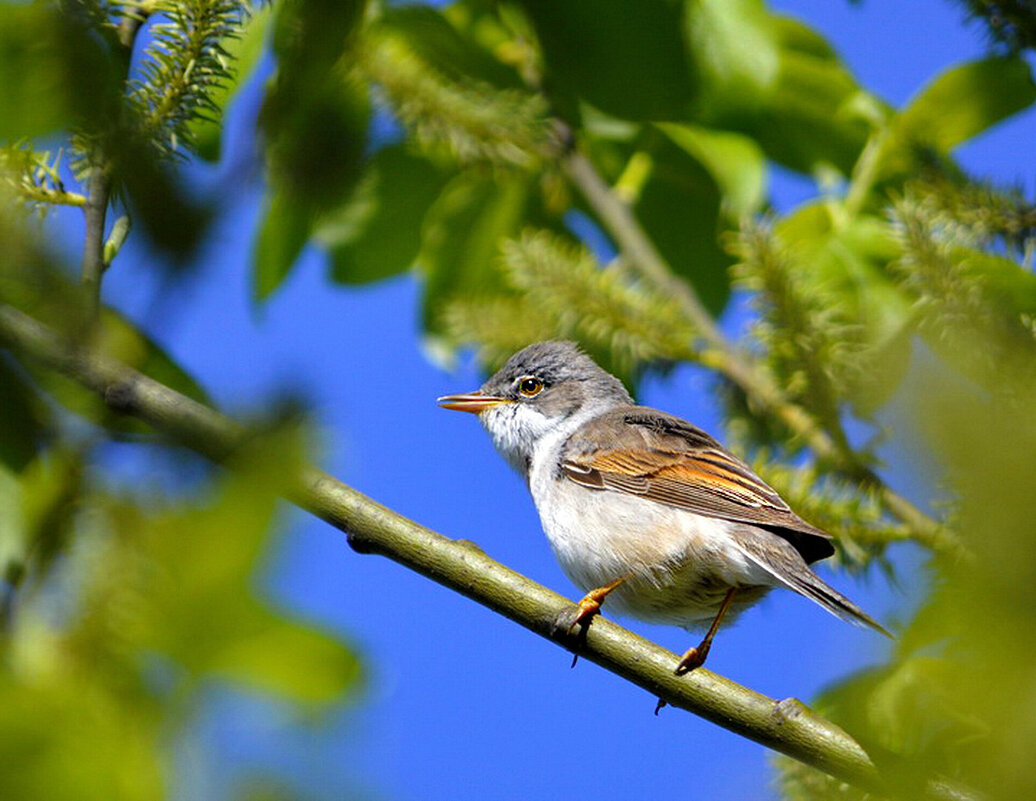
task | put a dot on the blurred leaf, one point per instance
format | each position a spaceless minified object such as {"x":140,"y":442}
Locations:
{"x":22,"y":418}
{"x":72,"y":741}
{"x":159,"y":201}
{"x":314,"y":118}
{"x":283,"y":232}
{"x":105,"y":664}
{"x":201,"y":609}
{"x":53,"y":70}
{"x":735,"y":162}
{"x":463,"y":234}
{"x":736,"y":54}
{"x":456,"y":99}
{"x":32,"y":88}
{"x":625,"y":57}
{"x":960,"y":103}
{"x":377,"y":232}
{"x":778,"y":81}
{"x":288,"y":658}
{"x":442,"y":47}
{"x":316,"y":141}
{"x":845,"y":263}
{"x":244,"y":52}
{"x":679,"y":208}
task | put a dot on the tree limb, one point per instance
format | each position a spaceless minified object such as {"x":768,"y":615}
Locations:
{"x":787,"y":726}
{"x":722,"y":355}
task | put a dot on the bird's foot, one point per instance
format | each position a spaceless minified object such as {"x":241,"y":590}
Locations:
{"x":574,"y":620}
{"x":577,"y":616}
{"x":694,"y":658}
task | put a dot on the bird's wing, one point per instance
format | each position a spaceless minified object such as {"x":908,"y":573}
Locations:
{"x":656,"y":456}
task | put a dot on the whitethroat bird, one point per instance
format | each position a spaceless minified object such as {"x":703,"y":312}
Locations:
{"x":642,"y":507}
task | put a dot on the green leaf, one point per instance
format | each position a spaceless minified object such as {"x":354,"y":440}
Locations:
{"x":735,"y":162}
{"x":288,"y":658}
{"x":462,"y":237}
{"x":435,"y":41}
{"x":679,"y":208}
{"x":22,"y":418}
{"x":966,"y":100}
{"x":377,"y":232}
{"x":32,"y":96}
{"x":283,"y":232}
{"x":315,"y":118}
{"x":201,"y":609}
{"x":735,"y":53}
{"x":961,"y":103}
{"x":846,"y":263}
{"x":243,"y":52}
{"x":626,"y":57}
{"x":777,"y":81}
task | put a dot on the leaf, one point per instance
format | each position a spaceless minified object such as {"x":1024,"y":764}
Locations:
{"x":53,"y":70}
{"x":735,"y":53}
{"x":463,"y":233}
{"x":846,"y":264}
{"x":377,"y":232}
{"x":966,"y":100}
{"x":283,"y":232}
{"x":244,"y":52}
{"x":201,"y":609}
{"x":959,"y":104}
{"x":777,"y":81}
{"x":289,"y":658}
{"x":23,"y":419}
{"x":315,"y":117}
{"x":735,"y":162}
{"x":442,"y":47}
{"x":626,"y":56}
{"x":678,"y":206}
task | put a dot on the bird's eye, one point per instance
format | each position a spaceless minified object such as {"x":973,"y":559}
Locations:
{"x":530,"y":386}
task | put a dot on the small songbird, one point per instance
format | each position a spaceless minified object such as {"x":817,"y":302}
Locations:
{"x":642,"y":507}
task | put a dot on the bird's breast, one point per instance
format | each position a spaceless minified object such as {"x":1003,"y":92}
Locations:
{"x":679,"y":564}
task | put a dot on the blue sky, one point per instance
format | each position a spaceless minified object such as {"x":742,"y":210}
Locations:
{"x":461,"y":703}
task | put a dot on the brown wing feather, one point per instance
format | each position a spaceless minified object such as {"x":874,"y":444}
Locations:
{"x":668,"y":460}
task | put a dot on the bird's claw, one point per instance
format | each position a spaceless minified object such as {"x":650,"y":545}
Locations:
{"x":694,"y":658}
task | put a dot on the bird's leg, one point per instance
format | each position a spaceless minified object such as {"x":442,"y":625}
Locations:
{"x":590,"y":604}
{"x":580,"y":615}
{"x":695,"y":657}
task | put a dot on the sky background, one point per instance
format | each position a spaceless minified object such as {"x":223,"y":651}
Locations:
{"x":461,"y":703}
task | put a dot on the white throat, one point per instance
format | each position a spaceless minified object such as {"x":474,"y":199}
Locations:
{"x":528,"y":439}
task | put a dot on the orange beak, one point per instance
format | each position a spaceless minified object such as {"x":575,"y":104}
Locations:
{"x":474,"y":402}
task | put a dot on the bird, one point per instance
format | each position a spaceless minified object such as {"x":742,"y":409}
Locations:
{"x":641,"y":507}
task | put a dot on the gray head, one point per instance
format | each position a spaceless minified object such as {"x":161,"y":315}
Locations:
{"x":542,"y":394}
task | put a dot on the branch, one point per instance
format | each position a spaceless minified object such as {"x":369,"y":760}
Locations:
{"x":94,"y":211}
{"x":786,"y":726}
{"x":725,"y":357}
{"x":95,"y":207}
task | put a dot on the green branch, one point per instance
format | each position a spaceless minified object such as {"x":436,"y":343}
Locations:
{"x":786,"y":726}
{"x":722,"y":355}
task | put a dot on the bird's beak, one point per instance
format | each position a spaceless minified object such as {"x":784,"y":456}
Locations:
{"x":474,"y":402}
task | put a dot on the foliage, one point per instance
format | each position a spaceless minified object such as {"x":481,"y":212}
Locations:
{"x":123,"y":612}
{"x":590,"y":170}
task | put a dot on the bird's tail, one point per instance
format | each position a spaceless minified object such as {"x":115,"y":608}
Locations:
{"x":790,"y":570}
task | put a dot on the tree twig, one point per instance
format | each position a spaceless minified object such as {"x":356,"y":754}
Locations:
{"x":786,"y":726}
{"x":95,"y":209}
{"x":722,"y":355}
